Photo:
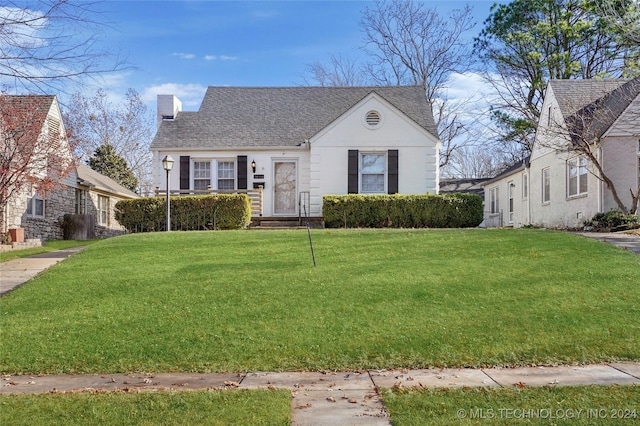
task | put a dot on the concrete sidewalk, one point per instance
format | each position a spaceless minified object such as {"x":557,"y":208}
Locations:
{"x":16,"y":272}
{"x":333,"y":397}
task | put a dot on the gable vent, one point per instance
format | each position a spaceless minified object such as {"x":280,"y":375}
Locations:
{"x":373,"y":118}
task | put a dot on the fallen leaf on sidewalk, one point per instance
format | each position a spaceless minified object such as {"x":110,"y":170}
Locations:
{"x":301,"y":407}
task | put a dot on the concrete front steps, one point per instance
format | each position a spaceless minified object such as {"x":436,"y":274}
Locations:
{"x":285,"y":223}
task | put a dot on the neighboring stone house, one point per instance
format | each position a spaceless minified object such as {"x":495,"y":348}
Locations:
{"x":83,"y":194}
{"x":559,"y":187}
{"x":299,"y":143}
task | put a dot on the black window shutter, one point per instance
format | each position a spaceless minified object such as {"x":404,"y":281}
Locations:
{"x":185,"y":162}
{"x":242,"y":172}
{"x":352,"y":187}
{"x":392,"y":173}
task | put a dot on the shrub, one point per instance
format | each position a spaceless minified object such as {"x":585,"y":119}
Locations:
{"x":188,"y":213}
{"x":402,"y":211}
{"x":613,"y":220}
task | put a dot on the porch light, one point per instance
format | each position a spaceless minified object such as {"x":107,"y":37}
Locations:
{"x":253,"y":166}
{"x":167,"y":164}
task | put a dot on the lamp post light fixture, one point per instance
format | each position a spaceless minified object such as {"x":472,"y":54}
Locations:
{"x":167,"y":164}
{"x":253,"y":165}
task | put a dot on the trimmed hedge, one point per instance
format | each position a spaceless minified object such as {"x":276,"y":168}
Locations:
{"x":188,"y":213}
{"x":402,"y":211}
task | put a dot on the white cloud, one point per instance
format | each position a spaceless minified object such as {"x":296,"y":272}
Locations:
{"x":184,"y":55}
{"x":189,"y":94}
{"x":220,"y":57}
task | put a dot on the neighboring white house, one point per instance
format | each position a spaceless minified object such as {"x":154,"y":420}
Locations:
{"x":558,"y":187}
{"x":83,"y":193}
{"x":300,"y":143}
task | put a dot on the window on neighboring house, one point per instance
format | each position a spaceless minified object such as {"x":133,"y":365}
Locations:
{"x":373,"y":170}
{"x":35,"y":205}
{"x":81,"y":201}
{"x":103,"y":210}
{"x":494,"y":202}
{"x":226,"y":175}
{"x":525,"y":186}
{"x":577,"y":176}
{"x":546,"y":185}
{"x":511,"y":188}
{"x":201,"y":175}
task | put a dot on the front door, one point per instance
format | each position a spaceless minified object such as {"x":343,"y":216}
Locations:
{"x":284,"y":188}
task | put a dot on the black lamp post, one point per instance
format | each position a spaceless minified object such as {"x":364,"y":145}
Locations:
{"x":167,"y":164}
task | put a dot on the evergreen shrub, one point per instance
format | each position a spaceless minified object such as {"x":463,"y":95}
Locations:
{"x":188,"y":213}
{"x":402,"y":211}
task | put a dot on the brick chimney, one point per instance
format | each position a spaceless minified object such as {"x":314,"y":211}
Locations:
{"x":168,"y":108}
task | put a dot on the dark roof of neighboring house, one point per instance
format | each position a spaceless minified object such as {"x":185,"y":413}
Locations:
{"x":513,"y":168}
{"x":278,"y":116}
{"x":25,"y":111}
{"x":462,"y":186}
{"x":590,"y":107}
{"x":90,"y":177}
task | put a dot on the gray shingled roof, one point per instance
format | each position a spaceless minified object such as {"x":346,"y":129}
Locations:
{"x":590,"y":107}
{"x":278,"y":116}
{"x":102,"y":182}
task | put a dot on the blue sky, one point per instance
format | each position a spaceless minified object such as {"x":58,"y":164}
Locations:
{"x":181,"y":47}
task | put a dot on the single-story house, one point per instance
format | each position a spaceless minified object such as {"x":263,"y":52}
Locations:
{"x":561,"y":186}
{"x":296,"y":144}
{"x":80,"y":194}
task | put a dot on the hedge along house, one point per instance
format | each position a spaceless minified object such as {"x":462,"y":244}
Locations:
{"x":36,"y":141}
{"x":296,"y":144}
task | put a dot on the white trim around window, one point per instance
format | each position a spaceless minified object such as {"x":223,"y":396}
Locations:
{"x":103,"y":210}
{"x":35,"y":205}
{"x":577,"y":177}
{"x":546,"y":185}
{"x":216,"y":174}
{"x":494,"y":200}
{"x":373,"y":173}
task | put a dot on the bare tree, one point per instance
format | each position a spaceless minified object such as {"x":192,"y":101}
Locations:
{"x":33,"y":149}
{"x":341,"y":70}
{"x":475,"y":162}
{"x":583,"y":133}
{"x":409,"y":43}
{"x":45,"y":43}
{"x":127,"y":127}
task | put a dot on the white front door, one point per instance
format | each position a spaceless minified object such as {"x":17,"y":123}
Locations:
{"x":285,"y":188}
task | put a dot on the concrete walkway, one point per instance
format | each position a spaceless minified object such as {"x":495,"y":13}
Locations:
{"x":16,"y":272}
{"x":319,"y":398}
{"x":626,"y":241}
{"x":329,"y":398}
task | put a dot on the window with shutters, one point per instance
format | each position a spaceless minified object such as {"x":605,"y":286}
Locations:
{"x":226,"y":175}
{"x":373,"y":173}
{"x":201,"y":175}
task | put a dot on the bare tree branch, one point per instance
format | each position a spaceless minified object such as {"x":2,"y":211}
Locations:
{"x":47,"y":43}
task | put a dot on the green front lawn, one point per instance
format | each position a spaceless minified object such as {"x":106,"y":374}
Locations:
{"x":578,"y":405}
{"x":227,"y":407}
{"x":238,"y":301}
